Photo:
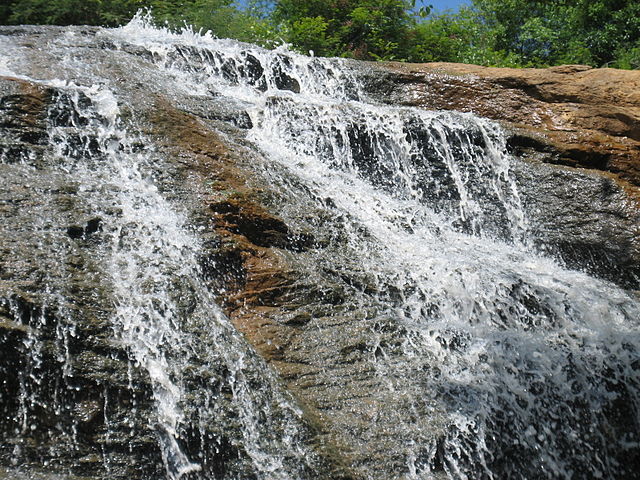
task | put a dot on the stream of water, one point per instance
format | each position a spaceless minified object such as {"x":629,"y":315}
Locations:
{"x":165,"y":316}
{"x":534,"y":368}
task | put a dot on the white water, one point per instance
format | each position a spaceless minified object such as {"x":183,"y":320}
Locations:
{"x":164,"y":314}
{"x":534,"y":367}
{"x":525,"y":357}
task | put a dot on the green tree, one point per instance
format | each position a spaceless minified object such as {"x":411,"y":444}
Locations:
{"x":490,"y":32}
{"x":366,"y":29}
{"x":310,"y":34}
{"x":70,"y":12}
{"x":5,"y":11}
{"x":442,"y":38}
{"x":458,"y":37}
{"x":115,"y":12}
{"x":545,"y":32}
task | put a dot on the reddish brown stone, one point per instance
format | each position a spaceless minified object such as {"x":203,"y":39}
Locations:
{"x":589,"y":117}
{"x":247,"y":230}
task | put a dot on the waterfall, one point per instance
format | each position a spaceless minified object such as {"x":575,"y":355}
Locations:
{"x":164,"y":316}
{"x":521,"y":367}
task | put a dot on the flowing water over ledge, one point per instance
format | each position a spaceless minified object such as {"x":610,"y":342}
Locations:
{"x":502,"y":363}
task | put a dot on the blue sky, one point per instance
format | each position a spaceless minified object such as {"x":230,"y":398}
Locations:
{"x":438,"y":5}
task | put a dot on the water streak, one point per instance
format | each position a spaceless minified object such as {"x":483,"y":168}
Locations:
{"x":164,"y":314}
{"x":535,"y":366}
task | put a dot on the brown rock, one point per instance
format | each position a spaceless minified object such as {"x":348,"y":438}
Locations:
{"x":582,"y":117}
{"x":26,"y":107}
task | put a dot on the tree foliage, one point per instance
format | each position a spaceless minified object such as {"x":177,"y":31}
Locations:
{"x":69,"y":12}
{"x":220,"y":16}
{"x":366,"y":29}
{"x":544,"y":32}
{"x":489,"y":32}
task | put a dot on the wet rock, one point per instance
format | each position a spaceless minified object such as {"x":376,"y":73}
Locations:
{"x":246,"y":218}
{"x":570,"y":116}
{"x":253,"y":69}
{"x":91,"y":226}
{"x":310,"y":312}
{"x":584,"y":218}
{"x":10,"y":327}
{"x":223,"y":110}
{"x":45,"y":344}
{"x":94,"y":414}
{"x":88,"y":411}
{"x":588,"y":117}
{"x":285,"y":81}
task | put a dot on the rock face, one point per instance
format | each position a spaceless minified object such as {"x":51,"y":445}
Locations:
{"x":357,"y":358}
{"x":578,"y":116}
{"x":571,"y":115}
{"x":65,"y":379}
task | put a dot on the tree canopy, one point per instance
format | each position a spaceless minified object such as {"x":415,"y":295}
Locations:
{"x":545,"y":32}
{"x":367,"y":29}
{"x":489,"y":32}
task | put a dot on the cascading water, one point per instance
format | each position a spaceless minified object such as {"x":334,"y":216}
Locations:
{"x":164,"y":316}
{"x":530,"y":370}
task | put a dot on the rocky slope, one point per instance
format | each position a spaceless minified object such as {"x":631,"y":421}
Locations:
{"x":276,"y":256}
{"x":570,"y":115}
{"x":578,"y":116}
